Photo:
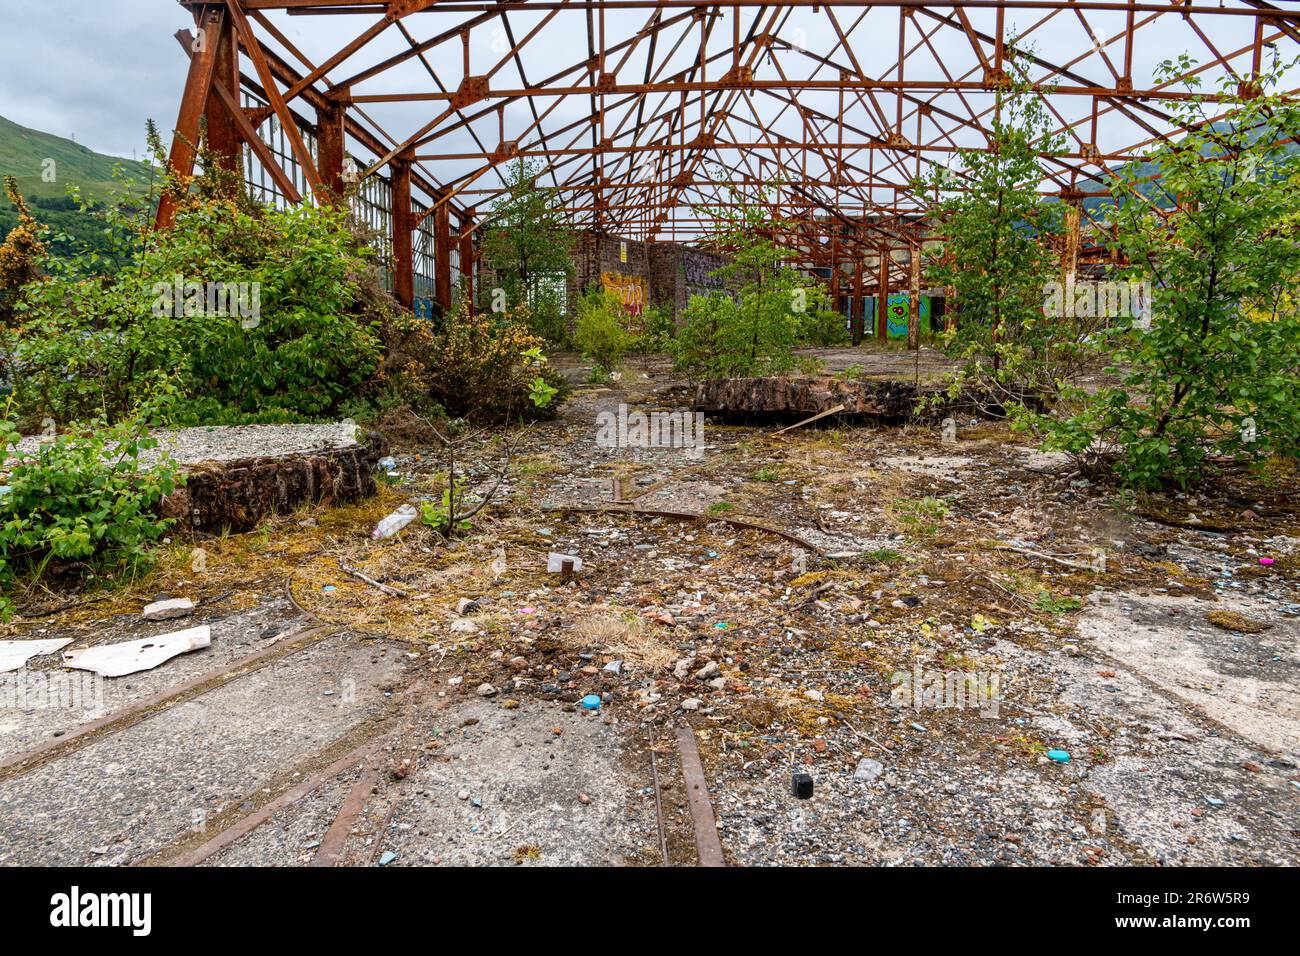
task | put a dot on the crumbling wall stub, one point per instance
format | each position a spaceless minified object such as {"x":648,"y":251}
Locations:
{"x":782,"y":397}
{"x":643,"y":274}
{"x":238,"y":495}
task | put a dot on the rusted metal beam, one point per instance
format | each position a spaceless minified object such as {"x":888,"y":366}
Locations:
{"x":467,"y":260}
{"x":231,"y":107}
{"x":675,"y":92}
{"x":210,"y":21}
{"x":442,"y":256}
{"x":330,"y":147}
{"x":224,"y":136}
{"x":707,"y":844}
{"x":403,"y":232}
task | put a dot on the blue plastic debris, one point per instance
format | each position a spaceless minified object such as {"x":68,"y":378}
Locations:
{"x":591,"y":702}
{"x":388,"y":857}
{"x":1060,"y":756}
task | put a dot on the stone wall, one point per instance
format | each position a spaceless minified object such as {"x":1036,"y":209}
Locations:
{"x":781,"y":397}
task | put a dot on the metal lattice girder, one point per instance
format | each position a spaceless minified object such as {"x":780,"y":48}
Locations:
{"x":650,"y":116}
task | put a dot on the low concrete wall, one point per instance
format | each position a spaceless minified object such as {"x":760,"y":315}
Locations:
{"x":236,"y":495}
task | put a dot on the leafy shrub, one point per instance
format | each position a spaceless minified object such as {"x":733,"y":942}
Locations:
{"x":771,"y":307}
{"x":484,"y":366}
{"x":601,"y":334}
{"x":84,"y":496}
{"x":22,"y":248}
{"x":237,"y":313}
{"x":656,"y":332}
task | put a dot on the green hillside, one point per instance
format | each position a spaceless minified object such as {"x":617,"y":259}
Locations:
{"x":24,"y":152}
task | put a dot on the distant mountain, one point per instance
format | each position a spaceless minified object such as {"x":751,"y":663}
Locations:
{"x":28,"y":154}
{"x":1140,"y":170}
{"x":24,"y":154}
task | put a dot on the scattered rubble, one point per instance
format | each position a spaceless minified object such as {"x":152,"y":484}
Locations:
{"x":979,"y":658}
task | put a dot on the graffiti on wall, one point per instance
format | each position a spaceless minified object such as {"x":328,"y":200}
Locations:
{"x":698,"y":271}
{"x":896,"y":315}
{"x":631,"y":290}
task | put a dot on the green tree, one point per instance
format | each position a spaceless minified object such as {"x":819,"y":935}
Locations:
{"x":997,"y":259}
{"x":527,"y":253}
{"x":767,"y":306}
{"x":1215,"y":373}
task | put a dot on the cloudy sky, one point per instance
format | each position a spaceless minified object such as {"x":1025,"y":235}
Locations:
{"x":98,"y":70}
{"x":97,"y":77}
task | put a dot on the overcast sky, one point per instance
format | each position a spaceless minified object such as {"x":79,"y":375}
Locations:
{"x":97,"y":77}
{"x":98,"y":70}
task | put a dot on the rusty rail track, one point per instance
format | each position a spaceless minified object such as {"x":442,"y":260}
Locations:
{"x":29,"y":760}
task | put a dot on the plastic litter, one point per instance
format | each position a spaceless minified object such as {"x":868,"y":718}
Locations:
{"x":395,"y":522}
{"x":591,"y":702}
{"x":1060,"y":756}
{"x":14,"y":654}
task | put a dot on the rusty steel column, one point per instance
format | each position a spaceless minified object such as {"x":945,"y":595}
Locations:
{"x":198,"y":90}
{"x":403,"y":226}
{"x":224,"y":140}
{"x":859,"y":319}
{"x":330,"y":147}
{"x":835,"y":274}
{"x":914,"y":300}
{"x":442,"y":255}
{"x":467,"y":261}
{"x":1070,"y":257}
{"x":882,"y":296}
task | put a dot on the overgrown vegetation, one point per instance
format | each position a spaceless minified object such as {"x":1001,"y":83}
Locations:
{"x":453,"y":512}
{"x":602,"y":333}
{"x":765,"y":309}
{"x":238,"y":313}
{"x":21,"y":250}
{"x":997,"y":258}
{"x":482,"y":366}
{"x":526,"y":253}
{"x":1215,"y":373}
{"x":83,"y":496}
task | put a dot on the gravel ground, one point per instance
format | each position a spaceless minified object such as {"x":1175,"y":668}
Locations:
{"x":963,"y":677}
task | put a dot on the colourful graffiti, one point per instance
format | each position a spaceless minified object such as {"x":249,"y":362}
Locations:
{"x":896,"y":315}
{"x":630,"y":290}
